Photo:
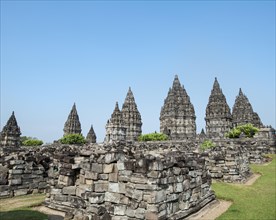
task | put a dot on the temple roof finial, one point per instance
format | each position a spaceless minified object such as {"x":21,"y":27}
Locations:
{"x":240,"y":92}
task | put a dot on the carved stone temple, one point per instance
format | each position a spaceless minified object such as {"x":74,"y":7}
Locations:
{"x":243,"y":112}
{"x":131,"y":117}
{"x":10,"y":135}
{"x":218,"y":116}
{"x":91,"y":136}
{"x":115,"y":127}
{"x":177,"y":117}
{"x":72,"y":125}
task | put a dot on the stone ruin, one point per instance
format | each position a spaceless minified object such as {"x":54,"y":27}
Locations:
{"x":125,"y":179}
{"x":114,"y":182}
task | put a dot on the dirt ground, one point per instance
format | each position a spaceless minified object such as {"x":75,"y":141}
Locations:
{"x":52,"y":214}
{"x":211,"y":211}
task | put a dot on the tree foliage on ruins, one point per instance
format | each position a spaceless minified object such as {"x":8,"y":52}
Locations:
{"x":153,"y":137}
{"x":248,"y":130}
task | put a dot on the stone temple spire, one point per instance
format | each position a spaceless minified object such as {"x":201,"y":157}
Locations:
{"x":72,"y":125}
{"x":91,"y":136}
{"x":243,"y":112}
{"x":218,"y":116}
{"x":177,"y":117}
{"x":115,"y":127}
{"x":131,"y":117}
{"x":10,"y":135}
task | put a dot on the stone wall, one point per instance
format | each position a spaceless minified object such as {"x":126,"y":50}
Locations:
{"x":22,"y":172}
{"x":228,"y":164}
{"x":109,"y":183}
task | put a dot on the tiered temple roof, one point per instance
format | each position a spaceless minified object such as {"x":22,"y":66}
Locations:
{"x":10,"y":135}
{"x":91,"y":136}
{"x":243,"y":112}
{"x":218,"y":116}
{"x":131,"y":117}
{"x":72,"y":125}
{"x":177,"y":117}
{"x":115,"y":127}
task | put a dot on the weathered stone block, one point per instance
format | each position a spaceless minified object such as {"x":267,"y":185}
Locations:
{"x":96,"y":198}
{"x":91,"y":175}
{"x":101,"y":186}
{"x":140,"y":213}
{"x":119,"y":209}
{"x":97,"y":168}
{"x":112,"y":197}
{"x":69,"y":190}
{"x":108,"y":168}
{"x":113,"y":177}
{"x":103,"y":176}
{"x":21,"y":192}
{"x":13,"y":182}
{"x":138,"y":178}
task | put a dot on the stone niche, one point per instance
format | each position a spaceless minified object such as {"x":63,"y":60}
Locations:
{"x":117,"y":184}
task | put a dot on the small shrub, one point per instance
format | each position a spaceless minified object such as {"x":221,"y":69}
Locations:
{"x":73,"y":139}
{"x":207,"y":144}
{"x":248,"y":130}
{"x":32,"y":142}
{"x":153,"y":137}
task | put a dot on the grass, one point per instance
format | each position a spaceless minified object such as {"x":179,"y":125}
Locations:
{"x":257,"y":201}
{"x":20,"y":208}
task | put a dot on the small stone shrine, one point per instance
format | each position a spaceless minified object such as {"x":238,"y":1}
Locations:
{"x":243,"y":112}
{"x":10,"y":135}
{"x":91,"y":136}
{"x":72,"y":125}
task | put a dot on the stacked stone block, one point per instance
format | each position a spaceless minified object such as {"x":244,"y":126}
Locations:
{"x":228,"y":163}
{"x":116,"y":185}
{"x":22,"y":173}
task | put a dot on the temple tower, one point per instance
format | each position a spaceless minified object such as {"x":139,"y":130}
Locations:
{"x":131,"y":117}
{"x":177,"y":117}
{"x":243,"y":112}
{"x":10,"y":135}
{"x":218,"y":116}
{"x":72,"y":125}
{"x":91,"y":136}
{"x":115,"y":127}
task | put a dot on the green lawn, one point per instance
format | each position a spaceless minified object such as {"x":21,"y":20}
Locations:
{"x":257,"y":201}
{"x":19,"y":208}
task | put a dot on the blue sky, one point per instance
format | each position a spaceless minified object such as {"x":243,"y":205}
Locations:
{"x":89,"y":52}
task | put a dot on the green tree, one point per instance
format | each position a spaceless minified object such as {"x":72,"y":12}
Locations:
{"x":29,"y":141}
{"x":153,"y":137}
{"x":207,"y":144}
{"x":72,"y":139}
{"x":248,"y":130}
